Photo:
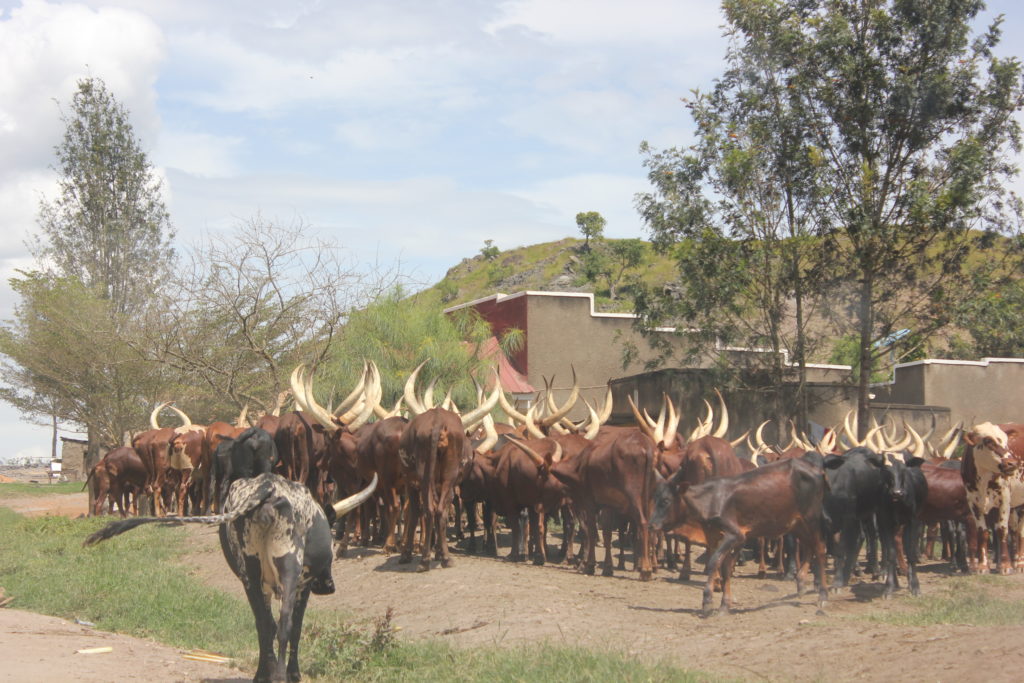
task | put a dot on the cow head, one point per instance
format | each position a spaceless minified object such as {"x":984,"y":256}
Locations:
{"x":896,"y":474}
{"x":990,"y":445}
{"x":669,"y":507}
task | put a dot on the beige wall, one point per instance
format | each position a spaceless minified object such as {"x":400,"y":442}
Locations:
{"x":974,"y":391}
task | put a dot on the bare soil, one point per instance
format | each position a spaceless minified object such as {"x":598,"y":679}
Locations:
{"x":772,"y":633}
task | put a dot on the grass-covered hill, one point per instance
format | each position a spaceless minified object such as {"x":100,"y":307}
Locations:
{"x":549,"y":266}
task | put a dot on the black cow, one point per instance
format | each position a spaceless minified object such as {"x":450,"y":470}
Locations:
{"x":277,"y":540}
{"x":865,"y":486}
{"x":251,"y":453}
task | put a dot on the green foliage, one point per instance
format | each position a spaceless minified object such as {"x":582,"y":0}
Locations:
{"x":398,"y":332}
{"x":610,"y":262}
{"x":591,"y":225}
{"x":489,"y":251}
{"x":993,"y":320}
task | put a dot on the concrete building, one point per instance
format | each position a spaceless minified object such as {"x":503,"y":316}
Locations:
{"x":563,"y":329}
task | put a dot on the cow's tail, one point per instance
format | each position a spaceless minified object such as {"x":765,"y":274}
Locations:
{"x":119,"y":527}
{"x":89,"y":478}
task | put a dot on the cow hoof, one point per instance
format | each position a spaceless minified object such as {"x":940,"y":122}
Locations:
{"x":1005,"y":571}
{"x":447,"y":563}
{"x":761,"y":574}
{"x":588,"y":569}
{"x":684,"y":576}
{"x":646,"y":576}
{"x":405,"y":559}
{"x":723,"y":610}
{"x":607,"y":571}
{"x":538,"y":561}
{"x":423,"y":567}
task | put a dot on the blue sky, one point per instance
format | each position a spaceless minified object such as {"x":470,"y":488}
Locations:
{"x":408,"y":130}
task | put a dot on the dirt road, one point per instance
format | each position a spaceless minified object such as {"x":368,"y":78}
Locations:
{"x":772,"y":634}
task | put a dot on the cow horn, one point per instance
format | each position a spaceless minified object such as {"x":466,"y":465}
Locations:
{"x":156,"y":412}
{"x":296,"y":380}
{"x":931,"y":429}
{"x":918,"y":448}
{"x":409,"y":391}
{"x":640,"y":421}
{"x":828,"y":442}
{"x":954,"y":441}
{"x":743,"y":437}
{"x":351,"y":399}
{"x":851,"y":430}
{"x":759,"y":438}
{"x":492,"y":435}
{"x":606,"y":410}
{"x":531,"y":426}
{"x":343,"y":507}
{"x":372,"y":396}
{"x":360,"y":404}
{"x":509,"y":410}
{"x":185,"y":421}
{"x":659,"y":426}
{"x":534,"y":455}
{"x":428,"y":395}
{"x":672,"y":425}
{"x":310,"y":405}
{"x":595,"y":424}
{"x":385,"y":414}
{"x":723,"y":425}
{"x":484,"y":408}
{"x":567,"y":406}
{"x":242,"y":416}
{"x":872,"y":441}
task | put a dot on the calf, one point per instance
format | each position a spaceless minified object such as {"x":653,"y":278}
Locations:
{"x":277,"y":541}
{"x":779,"y":498}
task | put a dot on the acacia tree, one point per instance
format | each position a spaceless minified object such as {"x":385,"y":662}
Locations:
{"x":734,"y":210}
{"x":904,"y":123}
{"x":102,"y":249}
{"x":252,"y":304}
{"x":912,"y":128}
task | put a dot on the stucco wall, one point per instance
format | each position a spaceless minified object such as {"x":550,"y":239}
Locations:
{"x":991,"y":390}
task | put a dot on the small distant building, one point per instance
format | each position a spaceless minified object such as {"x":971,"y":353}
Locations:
{"x":72,"y":457}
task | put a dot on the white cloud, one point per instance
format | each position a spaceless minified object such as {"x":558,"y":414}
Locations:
{"x":608,"y":194}
{"x":46,"y":49}
{"x":610,"y":21}
{"x":199,"y":154}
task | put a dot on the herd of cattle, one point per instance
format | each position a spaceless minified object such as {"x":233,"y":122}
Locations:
{"x":659,"y":488}
{"x":647,"y":477}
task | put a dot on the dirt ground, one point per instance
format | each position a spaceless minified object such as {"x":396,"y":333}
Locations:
{"x":772,"y":634}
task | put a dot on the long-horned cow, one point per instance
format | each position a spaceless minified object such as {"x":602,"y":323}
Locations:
{"x":277,"y":541}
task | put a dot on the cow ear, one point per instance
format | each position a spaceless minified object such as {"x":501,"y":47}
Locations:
{"x":914,"y":462}
{"x":834,"y":462}
{"x":969,"y":438}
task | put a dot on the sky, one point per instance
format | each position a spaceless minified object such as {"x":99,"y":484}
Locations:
{"x":409,"y":131}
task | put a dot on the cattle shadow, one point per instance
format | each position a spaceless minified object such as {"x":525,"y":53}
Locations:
{"x":786,"y":601}
{"x":236,"y":679}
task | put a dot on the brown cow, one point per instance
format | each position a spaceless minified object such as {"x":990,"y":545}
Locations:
{"x":120,"y":476}
{"x":779,"y":498}
{"x":436,"y":453}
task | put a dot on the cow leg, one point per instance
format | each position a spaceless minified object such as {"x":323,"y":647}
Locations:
{"x":266,"y":628}
{"x":911,"y":543}
{"x":412,"y":513}
{"x":516,"y":527}
{"x":1002,"y":500}
{"x":848,"y":548}
{"x":762,"y":551}
{"x":1016,"y":532}
{"x":298,"y":614}
{"x":428,"y":522}
{"x":606,"y":537}
{"x":289,"y":569}
{"x":539,"y":533}
{"x":901,"y":550}
{"x":727,"y":542}
{"x":728,"y":564}
{"x":442,"y":537}
{"x":871,"y":539}
{"x":684,"y":573}
{"x":568,"y":534}
{"x":590,"y":523}
{"x":887,"y":535}
{"x":643,"y":550}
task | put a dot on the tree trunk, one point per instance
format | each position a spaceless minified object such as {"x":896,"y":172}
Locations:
{"x":92,"y":456}
{"x":866,"y":333}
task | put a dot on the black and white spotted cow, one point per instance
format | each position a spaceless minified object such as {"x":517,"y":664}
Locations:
{"x":277,"y":540}
{"x":993,"y":474}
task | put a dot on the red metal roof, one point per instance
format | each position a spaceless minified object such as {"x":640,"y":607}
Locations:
{"x":512,"y":380}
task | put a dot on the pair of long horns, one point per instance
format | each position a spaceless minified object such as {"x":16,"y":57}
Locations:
{"x":537,"y":458}
{"x":469,"y":419}
{"x":357,"y":411}
{"x":663,"y":430}
{"x":704,"y":426}
{"x":555,"y":414}
{"x":186,"y":423}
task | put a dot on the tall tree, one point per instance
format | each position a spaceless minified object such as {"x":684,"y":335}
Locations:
{"x":912,"y":125}
{"x":904,"y":124}
{"x":108,"y":225}
{"x":735,"y":210}
{"x":102,"y":250}
{"x":591,"y":225}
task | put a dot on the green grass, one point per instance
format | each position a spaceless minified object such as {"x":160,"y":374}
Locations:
{"x":972,"y":600}
{"x":137,"y":584}
{"x":19,"y":489}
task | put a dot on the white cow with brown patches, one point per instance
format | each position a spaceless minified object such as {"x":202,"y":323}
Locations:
{"x":993,"y":474}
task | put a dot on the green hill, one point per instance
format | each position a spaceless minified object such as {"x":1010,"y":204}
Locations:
{"x":548,"y":267}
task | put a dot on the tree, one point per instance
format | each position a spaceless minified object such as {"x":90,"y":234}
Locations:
{"x":591,"y":225}
{"x":734,"y":210}
{"x":905,"y":125}
{"x":108,"y":225}
{"x":993,"y":321}
{"x":251,"y":305}
{"x":398,"y":332}
{"x":609,"y":261}
{"x":102,"y":251}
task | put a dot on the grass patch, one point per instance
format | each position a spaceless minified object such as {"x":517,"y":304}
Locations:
{"x":137,"y":584}
{"x":971,"y":600}
{"x":22,"y":489}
